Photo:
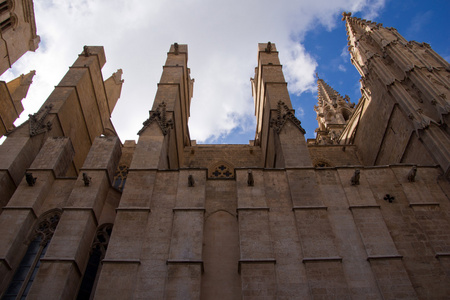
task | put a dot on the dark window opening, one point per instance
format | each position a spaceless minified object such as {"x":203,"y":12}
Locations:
{"x":29,"y":266}
{"x":98,"y":252}
{"x":5,"y":24}
{"x":4,"y":7}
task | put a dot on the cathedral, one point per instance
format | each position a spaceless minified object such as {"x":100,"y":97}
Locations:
{"x":359,"y":212}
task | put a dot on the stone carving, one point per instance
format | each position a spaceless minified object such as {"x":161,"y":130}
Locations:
{"x":86,"y":179}
{"x":269,"y":47}
{"x":47,"y":226}
{"x":389,"y":198}
{"x":284,"y":113}
{"x":36,"y":121}
{"x":86,"y":51}
{"x":159,"y":116}
{"x":412,"y":174}
{"x":221,"y":170}
{"x":102,"y":238}
{"x":191,"y":181}
{"x":250,"y":180}
{"x":355,"y":177}
{"x":30,"y":179}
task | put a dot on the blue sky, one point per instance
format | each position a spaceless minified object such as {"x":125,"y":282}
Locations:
{"x":222,"y":38}
{"x":422,"y":21}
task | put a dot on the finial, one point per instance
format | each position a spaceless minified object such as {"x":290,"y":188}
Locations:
{"x":86,"y":51}
{"x":345,"y":15}
{"x":269,"y":47}
{"x":175,"y":46}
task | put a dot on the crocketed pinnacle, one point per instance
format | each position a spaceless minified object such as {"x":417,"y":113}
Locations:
{"x":326,"y":94}
{"x":356,"y":27}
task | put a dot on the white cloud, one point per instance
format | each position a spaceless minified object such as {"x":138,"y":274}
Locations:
{"x":222,"y":39}
{"x":300,"y":112}
{"x":342,"y":68}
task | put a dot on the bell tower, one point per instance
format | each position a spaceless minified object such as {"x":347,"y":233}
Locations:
{"x":405,"y":87}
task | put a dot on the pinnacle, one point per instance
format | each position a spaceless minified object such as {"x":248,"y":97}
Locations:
{"x":357,"y":26}
{"x":326,"y":92}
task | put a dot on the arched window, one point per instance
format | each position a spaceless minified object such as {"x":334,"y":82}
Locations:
{"x":120,"y":177}
{"x":98,"y":251}
{"x":346,"y":114}
{"x":29,"y":266}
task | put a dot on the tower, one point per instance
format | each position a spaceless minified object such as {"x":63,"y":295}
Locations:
{"x":11,"y":96}
{"x":333,"y":113}
{"x":405,"y":92}
{"x":17,"y":31}
{"x":278,"y":131}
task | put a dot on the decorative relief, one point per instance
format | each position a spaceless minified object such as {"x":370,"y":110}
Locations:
{"x":221,"y":170}
{"x":284,"y":113}
{"x":159,"y":116}
{"x":36,"y":121}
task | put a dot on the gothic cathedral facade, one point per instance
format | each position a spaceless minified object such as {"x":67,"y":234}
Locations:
{"x":359,"y":212}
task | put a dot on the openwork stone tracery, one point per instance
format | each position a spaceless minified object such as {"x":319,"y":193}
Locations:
{"x":221,"y":170}
{"x":36,"y":121}
{"x":284,"y":113}
{"x":159,"y":116}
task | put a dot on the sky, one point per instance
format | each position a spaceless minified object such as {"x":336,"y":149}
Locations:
{"x":222,"y":37}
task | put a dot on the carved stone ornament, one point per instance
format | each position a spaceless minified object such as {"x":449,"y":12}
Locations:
{"x":159,"y":116}
{"x":269,"y":47}
{"x":30,"y":179}
{"x":412,"y":174}
{"x":86,"y":179}
{"x":284,"y":113}
{"x":191,"y":181}
{"x":47,"y":226}
{"x":389,"y":198}
{"x":250,"y":180}
{"x":36,"y":121}
{"x":355,"y":177}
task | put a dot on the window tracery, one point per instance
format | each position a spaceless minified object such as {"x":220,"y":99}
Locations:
{"x":120,"y":177}
{"x":97,"y":253}
{"x":221,"y":170}
{"x":29,"y":266}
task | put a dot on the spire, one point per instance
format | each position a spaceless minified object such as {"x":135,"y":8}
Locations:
{"x":18,"y":89}
{"x":333,"y":112}
{"x":357,"y":27}
{"x":113,"y":87}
